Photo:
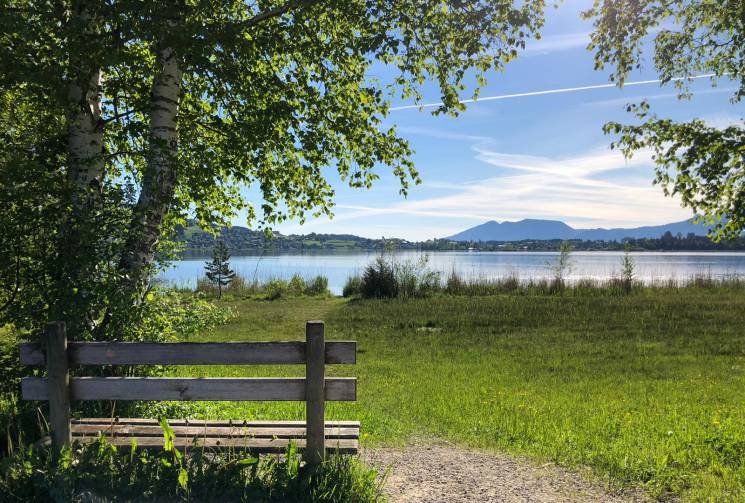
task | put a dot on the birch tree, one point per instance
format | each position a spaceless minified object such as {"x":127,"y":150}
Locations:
{"x":173,"y":107}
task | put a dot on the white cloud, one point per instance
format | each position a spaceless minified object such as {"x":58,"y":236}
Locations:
{"x":574,"y":189}
{"x":723,"y":120}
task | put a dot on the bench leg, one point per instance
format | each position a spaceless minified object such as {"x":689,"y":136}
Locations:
{"x":59,"y":384}
{"x":315,"y":348}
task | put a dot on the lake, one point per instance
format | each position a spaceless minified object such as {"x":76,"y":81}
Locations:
{"x":337,"y":267}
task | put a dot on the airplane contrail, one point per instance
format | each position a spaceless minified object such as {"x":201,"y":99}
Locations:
{"x":553,"y":91}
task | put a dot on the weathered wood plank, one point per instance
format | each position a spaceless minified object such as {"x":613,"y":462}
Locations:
{"x":190,"y":389}
{"x":210,"y":422}
{"x":205,"y":432}
{"x":254,"y":445}
{"x":191,"y":353}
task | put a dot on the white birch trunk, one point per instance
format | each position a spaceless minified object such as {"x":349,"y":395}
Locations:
{"x":85,"y":132}
{"x":159,"y":180}
{"x":84,"y":124}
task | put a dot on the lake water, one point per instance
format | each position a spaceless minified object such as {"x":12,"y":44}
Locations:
{"x":337,"y":267}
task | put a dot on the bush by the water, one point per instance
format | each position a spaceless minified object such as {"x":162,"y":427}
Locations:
{"x":387,"y":278}
{"x":101,"y":472}
{"x":275,"y":288}
{"x":379,"y":280}
{"x":353,"y":287}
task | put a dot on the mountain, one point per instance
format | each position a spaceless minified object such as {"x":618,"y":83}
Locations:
{"x":554,"y":229}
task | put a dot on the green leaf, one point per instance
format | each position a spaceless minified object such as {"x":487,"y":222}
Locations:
{"x":183,"y":478}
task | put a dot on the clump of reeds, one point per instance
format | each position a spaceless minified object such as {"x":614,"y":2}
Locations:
{"x":273,"y":288}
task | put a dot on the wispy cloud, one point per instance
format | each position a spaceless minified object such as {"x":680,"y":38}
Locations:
{"x":575,"y":189}
{"x":723,"y":120}
{"x":436,"y":133}
{"x":562,"y":90}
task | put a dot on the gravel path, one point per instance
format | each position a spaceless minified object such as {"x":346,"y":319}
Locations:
{"x":443,"y":473}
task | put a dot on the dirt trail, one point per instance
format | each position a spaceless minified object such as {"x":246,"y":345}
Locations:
{"x":443,"y":473}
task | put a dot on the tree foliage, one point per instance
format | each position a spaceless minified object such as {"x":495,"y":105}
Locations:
{"x":154,"y":111}
{"x":703,"y":164}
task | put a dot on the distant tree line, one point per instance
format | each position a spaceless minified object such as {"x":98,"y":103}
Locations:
{"x":240,"y":239}
{"x":666,"y":242}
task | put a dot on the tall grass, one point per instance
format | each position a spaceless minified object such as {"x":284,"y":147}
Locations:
{"x":388,"y":278}
{"x":101,"y":472}
{"x":274,"y":288}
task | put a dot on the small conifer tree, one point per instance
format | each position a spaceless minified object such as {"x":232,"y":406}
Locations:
{"x":218,"y":270}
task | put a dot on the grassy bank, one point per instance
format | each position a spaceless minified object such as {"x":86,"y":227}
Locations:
{"x":647,"y":389}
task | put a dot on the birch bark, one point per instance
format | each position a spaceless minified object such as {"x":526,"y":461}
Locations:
{"x":85,"y":132}
{"x":85,"y":125}
{"x":159,"y":180}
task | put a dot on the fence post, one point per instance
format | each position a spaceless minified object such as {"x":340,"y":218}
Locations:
{"x":315,"y":394}
{"x":58,"y":379}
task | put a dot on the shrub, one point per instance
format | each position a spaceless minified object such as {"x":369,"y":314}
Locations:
{"x":562,"y":267}
{"x":296,"y":285}
{"x":415,"y":279}
{"x":317,"y":286}
{"x":101,"y":472}
{"x":627,"y":269}
{"x":389,"y":278}
{"x":11,"y":369}
{"x":273,"y":289}
{"x":168,"y":315}
{"x":353,"y":287}
{"x":379,"y":280}
{"x":276,"y":289}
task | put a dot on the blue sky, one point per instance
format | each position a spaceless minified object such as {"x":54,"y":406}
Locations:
{"x":539,"y":156}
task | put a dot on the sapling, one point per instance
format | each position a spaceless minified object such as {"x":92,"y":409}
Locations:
{"x":218,"y":270}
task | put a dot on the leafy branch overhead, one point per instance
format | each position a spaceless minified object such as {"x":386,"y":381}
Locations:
{"x":703,"y":164}
{"x":165,"y":109}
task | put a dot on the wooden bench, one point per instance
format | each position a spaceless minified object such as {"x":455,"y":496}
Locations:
{"x":313,"y":436}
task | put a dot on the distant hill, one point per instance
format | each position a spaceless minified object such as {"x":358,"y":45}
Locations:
{"x":240,"y":239}
{"x":545,"y":235}
{"x":554,"y":229}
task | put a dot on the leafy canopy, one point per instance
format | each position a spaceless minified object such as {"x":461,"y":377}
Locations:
{"x":272,"y":103}
{"x":276,"y":95}
{"x":703,"y":164}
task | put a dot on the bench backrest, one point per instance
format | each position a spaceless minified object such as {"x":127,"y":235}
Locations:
{"x":59,"y":388}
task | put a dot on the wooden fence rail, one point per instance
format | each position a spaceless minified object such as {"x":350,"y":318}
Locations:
{"x":190,"y":353}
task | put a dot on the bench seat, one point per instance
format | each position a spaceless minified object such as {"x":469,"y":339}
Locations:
{"x":260,"y":437}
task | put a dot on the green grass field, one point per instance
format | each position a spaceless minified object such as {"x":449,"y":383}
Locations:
{"x":646,"y":389}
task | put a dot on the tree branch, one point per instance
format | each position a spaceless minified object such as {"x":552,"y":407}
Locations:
{"x":275,"y":12}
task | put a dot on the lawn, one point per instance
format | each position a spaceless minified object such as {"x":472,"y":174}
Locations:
{"x":646,"y":389}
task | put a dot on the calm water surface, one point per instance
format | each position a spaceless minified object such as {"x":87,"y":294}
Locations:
{"x":337,"y":267}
